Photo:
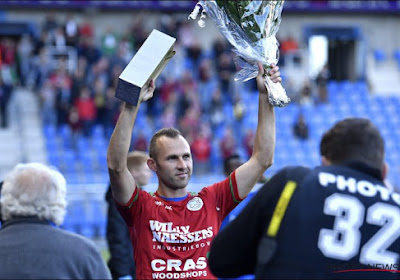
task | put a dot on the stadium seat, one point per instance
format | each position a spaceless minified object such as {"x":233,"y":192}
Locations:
{"x":49,"y":131}
{"x":379,"y":55}
{"x":75,"y":217}
{"x":396,"y":55}
{"x":95,"y":219}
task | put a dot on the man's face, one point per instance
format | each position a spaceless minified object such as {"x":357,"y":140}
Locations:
{"x":174,"y":162}
{"x":141,"y":174}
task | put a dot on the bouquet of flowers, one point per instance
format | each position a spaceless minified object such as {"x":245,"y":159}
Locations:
{"x":250,"y":27}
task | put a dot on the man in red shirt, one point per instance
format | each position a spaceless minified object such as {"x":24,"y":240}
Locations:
{"x":172,"y":230}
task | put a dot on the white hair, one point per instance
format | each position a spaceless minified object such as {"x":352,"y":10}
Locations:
{"x":33,"y":189}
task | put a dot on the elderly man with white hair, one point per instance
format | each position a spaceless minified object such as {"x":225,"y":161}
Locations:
{"x":33,"y":205}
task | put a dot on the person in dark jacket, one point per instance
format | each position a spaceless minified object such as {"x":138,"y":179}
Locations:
{"x":337,"y":220}
{"x":33,"y":205}
{"x":121,"y":263}
{"x":6,"y":91}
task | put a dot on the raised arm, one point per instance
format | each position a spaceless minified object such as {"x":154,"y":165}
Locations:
{"x":122,"y":183}
{"x":264,"y":142}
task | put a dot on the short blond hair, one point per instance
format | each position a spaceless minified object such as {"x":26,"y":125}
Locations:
{"x":136,"y":158}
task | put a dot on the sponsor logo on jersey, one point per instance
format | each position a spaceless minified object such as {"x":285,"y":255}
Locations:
{"x":167,"y":232}
{"x":160,"y":203}
{"x":181,"y":248}
{"x":195,"y":204}
{"x":362,"y":187}
{"x":179,"y":269}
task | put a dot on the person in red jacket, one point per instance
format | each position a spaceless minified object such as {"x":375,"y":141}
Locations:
{"x":201,"y":149}
{"x":87,"y":110}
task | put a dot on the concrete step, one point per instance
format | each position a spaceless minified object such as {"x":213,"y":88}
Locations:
{"x":384,"y":78}
{"x":23,"y":141}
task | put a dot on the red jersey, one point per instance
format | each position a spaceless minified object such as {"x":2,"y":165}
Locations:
{"x":171,"y":239}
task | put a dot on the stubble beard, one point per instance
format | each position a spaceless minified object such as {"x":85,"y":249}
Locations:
{"x":175,"y":184}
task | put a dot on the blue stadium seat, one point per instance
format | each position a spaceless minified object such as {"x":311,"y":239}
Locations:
{"x":49,"y":131}
{"x":83,"y":144}
{"x":346,"y":87}
{"x":396,"y":55}
{"x":53,"y":158}
{"x":379,"y":55}
{"x":75,"y":218}
{"x":361,"y":88}
{"x":96,"y":218}
{"x":332,"y":87}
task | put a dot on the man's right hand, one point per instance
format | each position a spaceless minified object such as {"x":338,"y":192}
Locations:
{"x":147,"y":91}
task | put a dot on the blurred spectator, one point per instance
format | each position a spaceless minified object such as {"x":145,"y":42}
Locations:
{"x":48,"y":104}
{"x":89,"y":50}
{"x":75,"y":126}
{"x":50,"y":23}
{"x":98,"y":70}
{"x":24,"y":53}
{"x":248,"y":141}
{"x":125,"y":49}
{"x":86,"y":108}
{"x":226,"y":69}
{"x":168,"y":118}
{"x":187,"y":85}
{"x":300,"y":127}
{"x":306,"y":97}
{"x":62,"y":82}
{"x":100,"y":102}
{"x":220,"y":46}
{"x":322,"y":81}
{"x":71,"y":31}
{"x":231,"y":163}
{"x":288,"y":45}
{"x":79,"y":78}
{"x":201,"y":150}
{"x":59,"y":40}
{"x":227,"y":143}
{"x":238,"y":108}
{"x":189,"y":124}
{"x":86,"y":29}
{"x":112,"y":110}
{"x":194,"y":52}
{"x":33,"y":205}
{"x":216,"y":109}
{"x":207,"y":83}
{"x":109,"y":41}
{"x":43,"y":41}
{"x":186,"y":35}
{"x":137,"y":33}
{"x":8,"y":52}
{"x":168,"y":88}
{"x":121,"y":57}
{"x":42,"y":68}
{"x":140,"y":142}
{"x":6,"y":91}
